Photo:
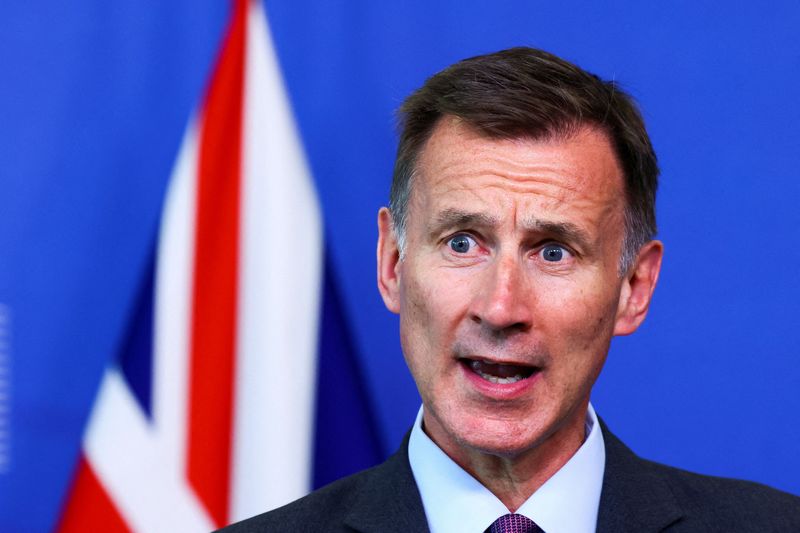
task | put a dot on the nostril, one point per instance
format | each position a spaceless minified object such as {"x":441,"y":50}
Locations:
{"x":520,"y":326}
{"x":500,"y":326}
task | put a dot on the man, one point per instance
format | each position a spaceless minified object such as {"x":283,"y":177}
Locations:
{"x":518,"y":242}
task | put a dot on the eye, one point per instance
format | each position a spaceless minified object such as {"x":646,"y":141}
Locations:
{"x":461,"y":243}
{"x":553,"y":253}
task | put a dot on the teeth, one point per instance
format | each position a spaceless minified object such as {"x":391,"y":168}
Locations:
{"x":495,"y":379}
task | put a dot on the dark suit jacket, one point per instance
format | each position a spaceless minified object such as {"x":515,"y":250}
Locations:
{"x":638,"y":496}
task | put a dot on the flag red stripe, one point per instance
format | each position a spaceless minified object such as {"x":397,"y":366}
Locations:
{"x":214,"y":291}
{"x":89,"y":507}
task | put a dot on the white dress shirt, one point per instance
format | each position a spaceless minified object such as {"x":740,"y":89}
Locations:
{"x":455,"y":502}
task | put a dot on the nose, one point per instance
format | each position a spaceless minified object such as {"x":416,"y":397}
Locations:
{"x":504,"y":301}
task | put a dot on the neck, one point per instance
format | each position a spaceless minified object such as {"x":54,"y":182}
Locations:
{"x":514,"y":478}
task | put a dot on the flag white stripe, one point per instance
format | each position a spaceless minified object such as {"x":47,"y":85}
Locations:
{"x":280,"y":268}
{"x":142,"y":464}
{"x":173,"y":297}
{"x":130,"y":462}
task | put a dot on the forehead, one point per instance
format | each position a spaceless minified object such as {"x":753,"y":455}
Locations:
{"x":578,"y":176}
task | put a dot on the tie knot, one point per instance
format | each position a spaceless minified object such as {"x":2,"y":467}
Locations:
{"x":513,"y":523}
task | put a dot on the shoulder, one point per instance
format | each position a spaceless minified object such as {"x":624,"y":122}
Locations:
{"x":383,"y":498}
{"x":324,"y":509}
{"x":637,"y":492}
{"x":730,"y":504}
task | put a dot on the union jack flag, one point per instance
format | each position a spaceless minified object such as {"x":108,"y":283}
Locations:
{"x":208,"y":416}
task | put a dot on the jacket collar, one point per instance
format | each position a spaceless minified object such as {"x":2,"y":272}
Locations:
{"x":635,"y":496}
{"x":389,"y":500}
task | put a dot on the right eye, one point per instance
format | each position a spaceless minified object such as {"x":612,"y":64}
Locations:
{"x":461,"y":243}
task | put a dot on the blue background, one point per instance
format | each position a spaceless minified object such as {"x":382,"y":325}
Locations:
{"x":95,"y":96}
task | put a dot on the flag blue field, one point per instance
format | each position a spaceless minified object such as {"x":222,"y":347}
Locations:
{"x":102,"y":106}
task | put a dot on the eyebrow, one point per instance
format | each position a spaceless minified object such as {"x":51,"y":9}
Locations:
{"x":455,"y":218}
{"x":562,"y":231}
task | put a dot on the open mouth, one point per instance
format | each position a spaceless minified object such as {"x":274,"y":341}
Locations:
{"x":500,"y":373}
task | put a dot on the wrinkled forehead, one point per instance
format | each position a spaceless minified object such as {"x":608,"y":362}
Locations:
{"x":578,"y":173}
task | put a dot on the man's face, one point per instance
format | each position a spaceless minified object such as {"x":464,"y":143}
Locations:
{"x":509,"y":291}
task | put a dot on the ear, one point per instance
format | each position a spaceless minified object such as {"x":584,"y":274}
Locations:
{"x":388,"y":262}
{"x":637,"y":288}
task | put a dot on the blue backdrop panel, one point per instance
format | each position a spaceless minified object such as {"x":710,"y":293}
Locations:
{"x":346,"y":433}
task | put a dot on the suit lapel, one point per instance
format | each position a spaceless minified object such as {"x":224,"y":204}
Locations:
{"x":389,"y":500}
{"x":635,"y":497}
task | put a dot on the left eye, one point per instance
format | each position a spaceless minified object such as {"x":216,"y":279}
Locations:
{"x":553,"y":253}
{"x":461,"y":243}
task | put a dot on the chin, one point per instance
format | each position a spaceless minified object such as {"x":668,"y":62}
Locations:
{"x":501,"y":438}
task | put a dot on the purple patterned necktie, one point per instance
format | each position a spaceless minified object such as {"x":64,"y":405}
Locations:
{"x":514,"y":523}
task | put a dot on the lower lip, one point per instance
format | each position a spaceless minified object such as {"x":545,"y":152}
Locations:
{"x":500,"y":391}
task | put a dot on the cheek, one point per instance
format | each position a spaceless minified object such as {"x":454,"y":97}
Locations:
{"x":417,"y":327}
{"x":431,"y":309}
{"x":414,"y":308}
{"x":430,"y":300}
{"x":583,"y":323}
{"x":578,"y":342}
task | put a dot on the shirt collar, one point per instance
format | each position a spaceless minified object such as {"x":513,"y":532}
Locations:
{"x":455,"y":502}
